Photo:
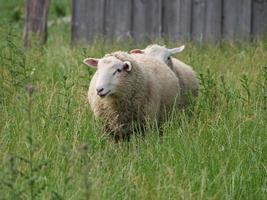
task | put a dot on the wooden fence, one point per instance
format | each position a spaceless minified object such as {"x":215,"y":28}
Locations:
{"x":197,"y":20}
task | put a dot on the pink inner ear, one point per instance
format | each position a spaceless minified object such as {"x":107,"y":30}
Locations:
{"x":91,"y":62}
{"x":137,"y":51}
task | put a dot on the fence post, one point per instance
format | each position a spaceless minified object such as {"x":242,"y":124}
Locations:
{"x":35,"y":21}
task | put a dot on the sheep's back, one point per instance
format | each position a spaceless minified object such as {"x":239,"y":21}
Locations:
{"x":187,"y":78}
{"x":163,"y":80}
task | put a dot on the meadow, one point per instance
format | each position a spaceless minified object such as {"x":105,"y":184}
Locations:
{"x":51,"y":147}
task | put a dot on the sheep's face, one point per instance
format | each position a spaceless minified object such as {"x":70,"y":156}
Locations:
{"x":161,"y":53}
{"x":110,"y":71}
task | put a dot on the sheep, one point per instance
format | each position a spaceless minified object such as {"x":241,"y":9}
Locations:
{"x":128,"y":89}
{"x":187,"y":77}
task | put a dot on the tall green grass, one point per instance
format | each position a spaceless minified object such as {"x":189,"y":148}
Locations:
{"x":50,"y":146}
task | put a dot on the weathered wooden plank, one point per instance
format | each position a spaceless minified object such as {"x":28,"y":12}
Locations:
{"x":206,"y":20}
{"x":259,"y":19}
{"x":237,"y":19}
{"x":198,"y":19}
{"x":35,"y":20}
{"x":213,"y":20}
{"x":176,"y":19}
{"x":146,"y":19}
{"x":118,"y":19}
{"x":87,"y":19}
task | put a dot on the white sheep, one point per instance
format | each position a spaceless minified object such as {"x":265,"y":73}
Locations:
{"x":187,"y":77}
{"x":128,"y":89}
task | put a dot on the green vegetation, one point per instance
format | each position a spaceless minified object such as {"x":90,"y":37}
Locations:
{"x":51,"y":148}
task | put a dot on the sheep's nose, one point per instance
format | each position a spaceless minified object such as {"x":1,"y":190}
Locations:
{"x":98,"y":90}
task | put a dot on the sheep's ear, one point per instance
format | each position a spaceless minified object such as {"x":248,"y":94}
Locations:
{"x":91,"y":62}
{"x":127,"y":66}
{"x":176,"y":50}
{"x":136,"y":51}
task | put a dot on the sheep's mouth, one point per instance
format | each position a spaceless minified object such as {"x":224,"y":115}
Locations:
{"x":105,"y":94}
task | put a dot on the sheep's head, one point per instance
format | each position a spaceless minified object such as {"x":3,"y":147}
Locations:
{"x":110,"y":71}
{"x":159,"y":52}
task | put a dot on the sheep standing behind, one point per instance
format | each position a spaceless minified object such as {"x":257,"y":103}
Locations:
{"x":187,"y":77}
{"x":128,"y":89}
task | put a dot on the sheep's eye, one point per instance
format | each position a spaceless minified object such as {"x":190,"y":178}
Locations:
{"x":117,"y":70}
{"x":169,"y":58}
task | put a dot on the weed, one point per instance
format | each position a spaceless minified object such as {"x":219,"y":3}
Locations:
{"x":264,"y":86}
{"x":245,"y":83}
